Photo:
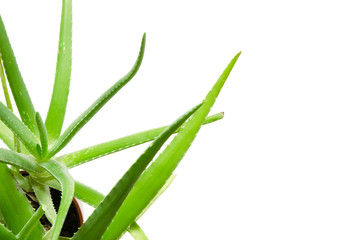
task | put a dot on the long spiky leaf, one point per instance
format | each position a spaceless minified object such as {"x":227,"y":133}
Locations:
{"x":29,"y":226}
{"x":15,"y":141}
{"x":4,"y":85}
{"x":162,"y":167}
{"x":20,"y":161}
{"x":69,"y":133}
{"x":58,"y":104}
{"x":6,"y":136}
{"x":136,"y":231}
{"x":43,"y":135}
{"x":61,"y":174}
{"x":5,"y":133}
{"x":6,"y":234}
{"x":42,"y":193}
{"x":17,"y":85}
{"x":90,"y":153}
{"x":14,"y":207}
{"x":19,"y":129}
{"x":98,"y":222}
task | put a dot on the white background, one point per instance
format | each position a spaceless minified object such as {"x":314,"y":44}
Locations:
{"x":284,"y":163}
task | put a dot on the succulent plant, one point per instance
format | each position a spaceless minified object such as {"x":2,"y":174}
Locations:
{"x":33,"y":146}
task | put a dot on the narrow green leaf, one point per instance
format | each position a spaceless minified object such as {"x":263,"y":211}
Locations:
{"x":29,"y":226}
{"x":17,"y":146}
{"x":16,"y":143}
{"x":48,"y":234}
{"x":58,"y":104}
{"x":162,"y":167}
{"x":39,"y":151}
{"x":87,"y":194}
{"x":213,"y":118}
{"x":44,"y":197}
{"x":136,"y":231}
{"x":23,"y":182}
{"x":70,"y":132}
{"x":61,"y":174}
{"x":20,"y":161}
{"x":88,"y":154}
{"x":17,"y":85}
{"x":98,"y":222}
{"x":7,"y":136}
{"x":14,"y":207}
{"x":19,"y":129}
{"x":43,"y":134}
{"x":5,"y":88}
{"x":6,"y":234}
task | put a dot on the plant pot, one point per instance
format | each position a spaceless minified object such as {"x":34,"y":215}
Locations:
{"x":74,"y":217}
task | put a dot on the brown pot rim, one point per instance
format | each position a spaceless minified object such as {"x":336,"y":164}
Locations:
{"x":79,"y":211}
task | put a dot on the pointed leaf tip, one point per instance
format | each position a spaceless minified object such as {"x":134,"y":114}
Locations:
{"x":237,"y":56}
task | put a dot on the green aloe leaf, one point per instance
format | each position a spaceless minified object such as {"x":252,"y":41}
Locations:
{"x":136,"y":231}
{"x":58,"y":104}
{"x":161,"y":168}
{"x":43,"y":135}
{"x":6,"y":234}
{"x":20,"y":161}
{"x":42,"y":193}
{"x":29,"y":226}
{"x":70,"y":132}
{"x":90,"y":153}
{"x":98,"y":222}
{"x":5,"y":88}
{"x":23,"y":182}
{"x":19,"y":129}
{"x":61,"y":174}
{"x":17,"y":85}
{"x":87,"y":194}
{"x":14,"y":207}
{"x":7,"y":136}
{"x":15,"y":141}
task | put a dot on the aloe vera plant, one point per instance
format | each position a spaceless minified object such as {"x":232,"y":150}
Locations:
{"x":33,"y":145}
